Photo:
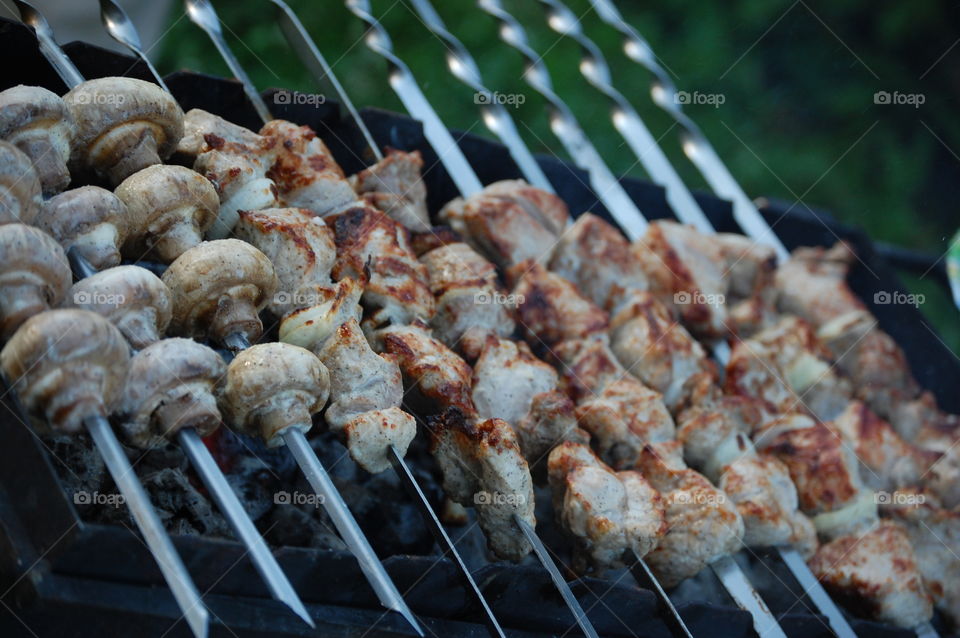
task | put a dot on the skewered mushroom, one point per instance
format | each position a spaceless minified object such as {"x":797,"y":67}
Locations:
{"x":175,"y":205}
{"x":90,"y":218}
{"x":131,"y":297}
{"x":19,"y":186}
{"x":34,"y":274}
{"x":274,"y":386}
{"x":171,"y":387}
{"x":66,"y":365}
{"x":37,"y":122}
{"x":218,"y":288}
{"x":123,"y":126}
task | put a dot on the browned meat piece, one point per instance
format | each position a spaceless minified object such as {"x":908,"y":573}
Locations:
{"x":876,"y":574}
{"x":235,"y":160}
{"x":588,"y":366}
{"x":509,"y":221}
{"x":510,"y":383}
{"x":310,"y":327}
{"x":712,"y":279}
{"x":482,"y":467}
{"x":374,"y":249}
{"x":790,"y":369}
{"x":302,"y":250}
{"x":702,"y":523}
{"x":305,"y":172}
{"x":659,"y":351}
{"x":470,"y":303}
{"x":549,"y":308}
{"x":436,"y":371}
{"x":709,"y":430}
{"x":934,"y":533}
{"x":366,"y":390}
{"x":824,"y":468}
{"x":812,"y":284}
{"x":394,"y":185}
{"x":433,"y":238}
{"x":605,"y":512}
{"x":599,"y":261}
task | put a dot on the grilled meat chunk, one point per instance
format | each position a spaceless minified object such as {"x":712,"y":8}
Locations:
{"x":394,"y":185}
{"x":470,"y":303}
{"x":366,"y":390}
{"x":304,"y":171}
{"x":605,"y":512}
{"x":483,"y":467}
{"x":876,"y":573}
{"x":374,"y":249}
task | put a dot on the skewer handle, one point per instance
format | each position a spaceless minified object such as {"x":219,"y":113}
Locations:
{"x":347,"y":526}
{"x":174,"y":572}
{"x":242,"y":526}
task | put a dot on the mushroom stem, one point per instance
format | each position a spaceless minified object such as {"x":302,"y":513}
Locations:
{"x":20,"y":302}
{"x":140,"y":150}
{"x":176,"y":239}
{"x":197,"y":410}
{"x":287,"y":411}
{"x":47,"y":161}
{"x":236,"y":314}
{"x":140,"y":329}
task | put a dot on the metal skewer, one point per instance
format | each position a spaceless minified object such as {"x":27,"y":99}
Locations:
{"x":460,"y":170}
{"x":625,"y":118}
{"x":202,"y":13}
{"x":461,"y":65}
{"x":158,"y":541}
{"x":227,"y":501}
{"x":121,"y":29}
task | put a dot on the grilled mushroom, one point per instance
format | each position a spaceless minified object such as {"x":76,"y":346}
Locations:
{"x":133,"y":298}
{"x":218,"y":288}
{"x":90,"y":218}
{"x":19,"y":186}
{"x":66,"y":365}
{"x":37,"y":122}
{"x":175,"y":205}
{"x":34,"y":274}
{"x":171,"y":386}
{"x":123,"y":126}
{"x":274,"y":386}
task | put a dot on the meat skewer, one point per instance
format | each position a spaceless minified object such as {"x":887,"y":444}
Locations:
{"x":89,"y":350}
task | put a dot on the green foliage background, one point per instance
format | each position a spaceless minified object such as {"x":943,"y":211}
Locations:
{"x":798,"y":121}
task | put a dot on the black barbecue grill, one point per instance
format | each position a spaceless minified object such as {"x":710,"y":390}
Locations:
{"x":70,"y":574}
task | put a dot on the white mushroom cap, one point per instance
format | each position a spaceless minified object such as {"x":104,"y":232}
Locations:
{"x":274,"y":386}
{"x":123,"y":126}
{"x":171,"y":386}
{"x":90,"y":218}
{"x":20,"y":197}
{"x":34,"y":274}
{"x":134,"y":299}
{"x":37,"y":122}
{"x":66,"y":365}
{"x":175,"y":205}
{"x":218,"y":289}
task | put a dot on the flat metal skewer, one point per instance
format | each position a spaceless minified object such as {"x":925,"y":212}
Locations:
{"x":121,"y":29}
{"x":174,"y":572}
{"x":154,"y":534}
{"x":462,"y":66}
{"x":594,"y":68}
{"x":746,"y":597}
{"x":460,"y":170}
